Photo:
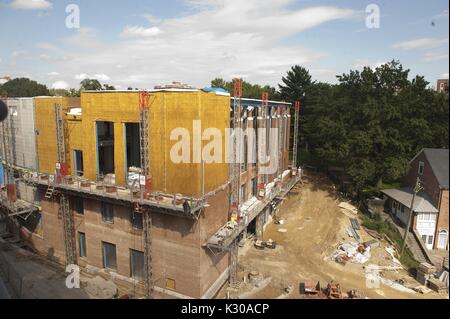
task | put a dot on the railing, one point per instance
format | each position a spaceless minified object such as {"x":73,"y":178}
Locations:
{"x":223,"y":238}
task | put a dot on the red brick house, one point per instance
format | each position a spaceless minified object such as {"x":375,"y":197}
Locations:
{"x":431,"y":206}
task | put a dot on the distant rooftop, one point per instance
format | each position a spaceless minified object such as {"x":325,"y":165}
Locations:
{"x":438,"y":159}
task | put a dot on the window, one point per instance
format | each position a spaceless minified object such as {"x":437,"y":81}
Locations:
{"x":107,"y":213}
{"x":78,"y":159}
{"x":430,"y":240}
{"x":82,"y":244}
{"x":424,"y":238}
{"x":78,"y":205}
{"x":109,"y":256}
{"x":105,"y":148}
{"x":137,"y":264}
{"x":421,"y":167}
{"x":243,"y":192}
{"x":136,"y":220}
{"x":402,"y":208}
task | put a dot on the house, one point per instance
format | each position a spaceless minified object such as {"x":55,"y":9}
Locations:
{"x":431,"y":206}
{"x":442,"y":86}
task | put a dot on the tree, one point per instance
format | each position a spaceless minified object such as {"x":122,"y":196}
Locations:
{"x":23,"y":87}
{"x":90,"y":85}
{"x":253,"y":91}
{"x":373,"y":122}
{"x":296,"y":84}
{"x":108,"y":87}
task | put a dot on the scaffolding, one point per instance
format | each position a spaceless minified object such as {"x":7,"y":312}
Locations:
{"x":145,"y":183}
{"x":235,"y":176}
{"x":64,"y":205}
{"x":296,"y":123}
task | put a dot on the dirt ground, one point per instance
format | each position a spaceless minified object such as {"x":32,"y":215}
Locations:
{"x":314,"y":227}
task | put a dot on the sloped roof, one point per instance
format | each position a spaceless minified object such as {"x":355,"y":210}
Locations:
{"x":422,"y":202}
{"x":438,"y":159}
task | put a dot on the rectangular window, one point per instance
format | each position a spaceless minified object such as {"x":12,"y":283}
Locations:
{"x":78,"y":158}
{"x":421,"y":167}
{"x":109,"y":256}
{"x":136,"y":220}
{"x":82,"y":243}
{"x":78,"y":205}
{"x":424,"y":238}
{"x":133,"y":147}
{"x":137,"y":264}
{"x":243,"y":193}
{"x":107,"y":213}
{"x":430,"y":240}
{"x":105,"y":148}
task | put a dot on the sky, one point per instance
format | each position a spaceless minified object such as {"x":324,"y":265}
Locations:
{"x":142,"y":43}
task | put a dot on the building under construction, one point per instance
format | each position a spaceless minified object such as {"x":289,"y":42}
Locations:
{"x":90,"y":181}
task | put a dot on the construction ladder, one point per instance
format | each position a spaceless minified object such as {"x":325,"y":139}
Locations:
{"x":144,"y":126}
{"x":64,"y":207}
{"x":235,"y":171}
{"x":69,"y":229}
{"x":296,"y":123}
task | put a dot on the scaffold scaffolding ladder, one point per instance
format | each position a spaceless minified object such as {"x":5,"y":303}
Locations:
{"x":296,"y":124}
{"x":144,"y":126}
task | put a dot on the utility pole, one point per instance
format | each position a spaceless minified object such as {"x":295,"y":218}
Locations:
{"x":417,"y":188}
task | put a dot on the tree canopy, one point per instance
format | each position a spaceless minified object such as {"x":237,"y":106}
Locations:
{"x":252,"y":91}
{"x":373,"y":122}
{"x":23,"y":87}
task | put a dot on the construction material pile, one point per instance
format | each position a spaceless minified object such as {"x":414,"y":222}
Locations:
{"x":353,"y":252}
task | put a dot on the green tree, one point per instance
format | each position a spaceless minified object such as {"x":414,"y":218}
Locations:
{"x":90,"y":85}
{"x":296,"y":84}
{"x":23,"y":87}
{"x":253,"y":91}
{"x":373,"y":122}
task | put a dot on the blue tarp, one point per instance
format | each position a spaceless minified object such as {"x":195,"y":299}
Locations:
{"x":208,"y":89}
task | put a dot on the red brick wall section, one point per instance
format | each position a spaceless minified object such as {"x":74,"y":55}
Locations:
{"x":443,"y":221}
{"x":429,"y":181}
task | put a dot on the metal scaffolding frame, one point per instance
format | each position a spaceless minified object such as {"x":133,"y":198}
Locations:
{"x":296,"y":123}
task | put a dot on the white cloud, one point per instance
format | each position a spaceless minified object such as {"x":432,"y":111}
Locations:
{"x":31,"y":4}
{"x":81,"y":76}
{"x":422,"y":43}
{"x":442,"y":15}
{"x":219,"y":39}
{"x":444,"y":76}
{"x":53,"y":73}
{"x":60,"y":85}
{"x":136,"y":31}
{"x":100,"y":77}
{"x":47,"y":46}
{"x":435,"y":56}
{"x":361,"y":63}
{"x":19,"y":53}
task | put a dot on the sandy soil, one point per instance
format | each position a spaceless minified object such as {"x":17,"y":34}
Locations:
{"x":315,"y":226}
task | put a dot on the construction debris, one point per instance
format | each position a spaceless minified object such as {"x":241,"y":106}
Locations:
{"x":437,"y":285}
{"x":259,"y":244}
{"x":98,"y":287}
{"x":425,"y":272}
{"x":282,"y":230}
{"x":354,"y":252}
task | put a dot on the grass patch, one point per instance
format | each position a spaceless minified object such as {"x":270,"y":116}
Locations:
{"x":383,"y":227}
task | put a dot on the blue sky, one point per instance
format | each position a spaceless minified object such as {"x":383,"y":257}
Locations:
{"x":144,"y":43}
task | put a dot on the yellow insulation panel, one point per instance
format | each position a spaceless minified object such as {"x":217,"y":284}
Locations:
{"x":46,"y":127}
{"x":168,"y":111}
